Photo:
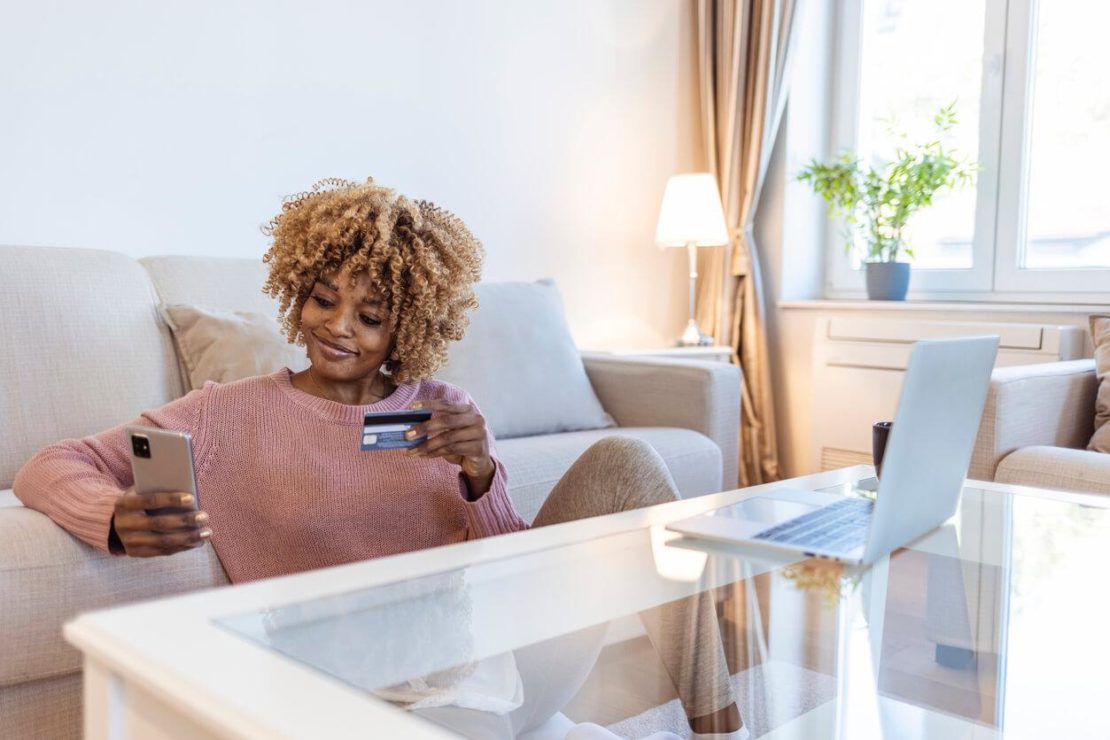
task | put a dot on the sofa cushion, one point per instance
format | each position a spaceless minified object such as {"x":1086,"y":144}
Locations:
{"x":519,"y":363}
{"x":83,"y":348}
{"x":535,"y":464}
{"x":217,"y":283}
{"x":46,"y":708}
{"x":1059,"y":468}
{"x":1100,"y":335}
{"x":229,"y":345}
{"x":47,"y":577}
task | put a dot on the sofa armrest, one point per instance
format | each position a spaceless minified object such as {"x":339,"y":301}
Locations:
{"x":1051,"y":404}
{"x":688,"y":394}
{"x":47,"y":577}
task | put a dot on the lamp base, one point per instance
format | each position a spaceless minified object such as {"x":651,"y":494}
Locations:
{"x":693,"y":337}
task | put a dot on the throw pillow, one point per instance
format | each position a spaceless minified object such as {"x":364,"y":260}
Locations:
{"x":1100,"y":335}
{"x":228,"y":345}
{"x":520,"y":364}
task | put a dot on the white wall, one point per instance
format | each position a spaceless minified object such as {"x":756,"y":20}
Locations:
{"x":176,"y":127}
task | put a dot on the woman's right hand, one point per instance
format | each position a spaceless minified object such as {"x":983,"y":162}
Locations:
{"x":152,"y":524}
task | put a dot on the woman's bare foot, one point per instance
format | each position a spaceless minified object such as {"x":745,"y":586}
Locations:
{"x":722,"y":721}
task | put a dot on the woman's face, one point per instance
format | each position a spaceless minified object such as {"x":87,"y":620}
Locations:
{"x":346,"y":327}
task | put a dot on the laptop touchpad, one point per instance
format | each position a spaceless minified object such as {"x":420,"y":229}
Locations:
{"x":759,"y":509}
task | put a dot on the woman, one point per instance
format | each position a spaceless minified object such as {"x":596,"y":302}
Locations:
{"x":375,"y":286}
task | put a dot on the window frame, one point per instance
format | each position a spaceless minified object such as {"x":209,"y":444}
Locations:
{"x":1005,"y":118}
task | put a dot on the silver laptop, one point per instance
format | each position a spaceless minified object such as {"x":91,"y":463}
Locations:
{"x":924,"y":466}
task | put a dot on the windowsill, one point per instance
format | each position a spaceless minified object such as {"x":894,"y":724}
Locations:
{"x":847,"y":304}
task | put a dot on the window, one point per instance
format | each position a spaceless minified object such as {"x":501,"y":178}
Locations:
{"x":905,"y":78}
{"x":1030,"y":82}
{"x":1069,"y":141}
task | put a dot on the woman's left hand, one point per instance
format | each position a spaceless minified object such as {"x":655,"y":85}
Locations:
{"x":457,"y":433}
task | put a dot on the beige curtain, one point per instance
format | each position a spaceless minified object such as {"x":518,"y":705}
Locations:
{"x":743,"y":50}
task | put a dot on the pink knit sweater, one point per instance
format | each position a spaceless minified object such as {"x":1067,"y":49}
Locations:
{"x":280,"y":473}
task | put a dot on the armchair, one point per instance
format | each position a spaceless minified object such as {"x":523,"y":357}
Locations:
{"x":1035,"y":428}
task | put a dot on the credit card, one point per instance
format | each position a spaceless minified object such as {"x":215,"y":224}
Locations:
{"x":385,"y":430}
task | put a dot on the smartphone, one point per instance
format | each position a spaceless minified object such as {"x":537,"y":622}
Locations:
{"x":162,"y":460}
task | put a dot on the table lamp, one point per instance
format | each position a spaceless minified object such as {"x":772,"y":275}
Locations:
{"x":691,"y":217}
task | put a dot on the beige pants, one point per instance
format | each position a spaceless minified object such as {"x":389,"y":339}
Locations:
{"x":615,"y":474}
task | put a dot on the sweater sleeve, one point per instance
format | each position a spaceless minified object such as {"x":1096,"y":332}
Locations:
{"x":494,"y":512}
{"x":76,"y":482}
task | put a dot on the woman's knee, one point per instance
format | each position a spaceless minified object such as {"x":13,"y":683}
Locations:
{"x":633,"y":464}
{"x":614,"y":474}
{"x":628,"y":451}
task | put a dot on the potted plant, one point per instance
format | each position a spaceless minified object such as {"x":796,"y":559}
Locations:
{"x":875,"y":204}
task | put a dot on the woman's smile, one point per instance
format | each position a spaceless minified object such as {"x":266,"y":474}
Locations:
{"x":333,"y":351}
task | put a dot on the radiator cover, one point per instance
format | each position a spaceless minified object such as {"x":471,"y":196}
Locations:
{"x":859,"y":363}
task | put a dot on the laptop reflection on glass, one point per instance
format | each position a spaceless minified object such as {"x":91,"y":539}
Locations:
{"x":927,"y":456}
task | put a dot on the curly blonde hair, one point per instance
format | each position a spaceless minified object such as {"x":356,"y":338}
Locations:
{"x":422,"y":259}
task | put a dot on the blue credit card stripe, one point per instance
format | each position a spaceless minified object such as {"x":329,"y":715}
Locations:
{"x":388,"y":441}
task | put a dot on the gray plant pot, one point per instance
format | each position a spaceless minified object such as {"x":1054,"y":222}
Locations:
{"x":887,"y":281}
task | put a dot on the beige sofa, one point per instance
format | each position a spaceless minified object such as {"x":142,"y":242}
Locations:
{"x":1036,"y":425}
{"x":84,"y":349}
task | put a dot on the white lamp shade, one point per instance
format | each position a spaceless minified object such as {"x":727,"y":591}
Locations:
{"x":691,"y":212}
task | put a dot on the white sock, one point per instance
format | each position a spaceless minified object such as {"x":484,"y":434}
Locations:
{"x":741,"y":734}
{"x":591,"y":731}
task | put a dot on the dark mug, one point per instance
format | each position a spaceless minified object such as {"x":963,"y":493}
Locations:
{"x":880,"y":433}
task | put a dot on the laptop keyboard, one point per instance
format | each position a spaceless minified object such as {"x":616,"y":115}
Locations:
{"x":837,"y":527}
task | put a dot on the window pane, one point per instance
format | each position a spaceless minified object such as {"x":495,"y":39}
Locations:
{"x":1069,"y":203}
{"x":918,"y":56}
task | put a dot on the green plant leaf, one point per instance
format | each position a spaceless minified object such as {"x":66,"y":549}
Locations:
{"x":876,"y":204}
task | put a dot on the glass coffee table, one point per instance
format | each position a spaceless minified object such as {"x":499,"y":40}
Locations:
{"x":990,"y":626}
